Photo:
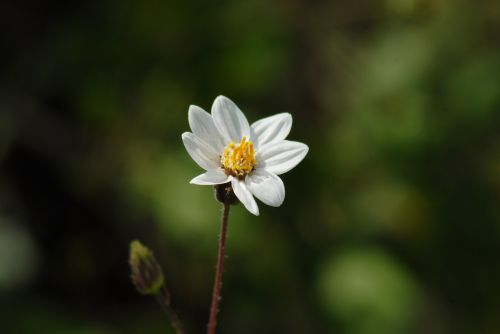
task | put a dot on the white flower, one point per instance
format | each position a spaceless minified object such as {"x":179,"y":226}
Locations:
{"x":249,"y":156}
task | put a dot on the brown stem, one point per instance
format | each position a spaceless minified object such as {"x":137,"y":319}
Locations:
{"x":163,"y":298}
{"x":214,"y":309}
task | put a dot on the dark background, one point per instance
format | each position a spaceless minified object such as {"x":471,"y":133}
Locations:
{"x":390,"y":225}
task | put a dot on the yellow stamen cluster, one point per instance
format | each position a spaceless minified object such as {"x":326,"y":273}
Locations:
{"x":239,"y":159}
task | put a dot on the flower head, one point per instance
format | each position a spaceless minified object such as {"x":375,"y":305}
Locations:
{"x":250,"y":157}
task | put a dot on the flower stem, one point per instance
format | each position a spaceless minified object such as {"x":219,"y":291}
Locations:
{"x":214,"y":309}
{"x":163,"y":297}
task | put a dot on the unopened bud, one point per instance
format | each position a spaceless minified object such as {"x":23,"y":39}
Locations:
{"x":224,"y":193}
{"x":147,"y":275}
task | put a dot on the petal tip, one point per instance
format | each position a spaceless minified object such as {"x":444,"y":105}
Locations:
{"x":255,"y":212}
{"x":220,"y":96}
{"x":194,"y":108}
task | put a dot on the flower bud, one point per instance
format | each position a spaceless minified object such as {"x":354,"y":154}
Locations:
{"x":147,"y":275}
{"x":224,"y":193}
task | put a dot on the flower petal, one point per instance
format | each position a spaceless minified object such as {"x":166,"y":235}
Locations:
{"x":267,"y":187}
{"x":279,"y":158}
{"x":244,"y":195}
{"x":229,"y":119}
{"x":202,"y":153}
{"x":202,"y":125}
{"x":272,"y":129}
{"x":211,"y":177}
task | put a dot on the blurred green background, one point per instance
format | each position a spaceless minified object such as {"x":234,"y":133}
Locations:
{"x":390,"y":225}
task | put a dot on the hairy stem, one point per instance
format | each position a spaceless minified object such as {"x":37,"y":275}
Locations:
{"x":214,"y":309}
{"x":163,"y":298}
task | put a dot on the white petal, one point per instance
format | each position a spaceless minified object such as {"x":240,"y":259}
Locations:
{"x":272,"y":129}
{"x":202,"y":153}
{"x":279,"y":158}
{"x":267,"y":187}
{"x":229,"y":119}
{"x":203,"y":126}
{"x":214,"y":176}
{"x":244,"y":195}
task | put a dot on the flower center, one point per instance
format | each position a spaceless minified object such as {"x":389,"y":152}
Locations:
{"x":238,"y":159}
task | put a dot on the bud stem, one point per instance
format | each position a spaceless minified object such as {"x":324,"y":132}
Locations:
{"x":163,"y":298}
{"x":214,"y":309}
